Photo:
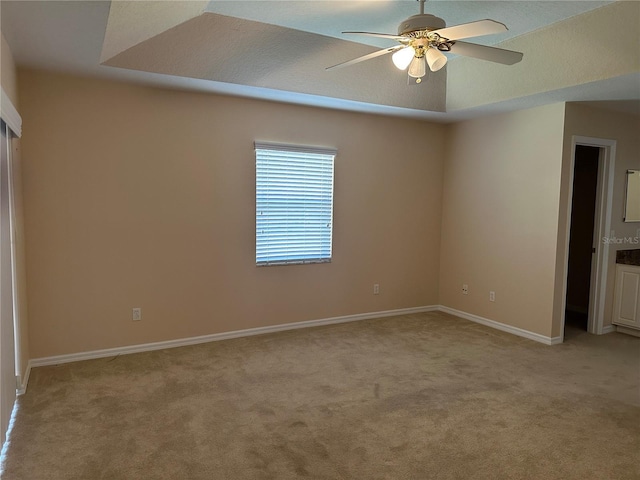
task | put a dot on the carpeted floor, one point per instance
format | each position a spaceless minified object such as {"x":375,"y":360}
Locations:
{"x":424,"y":396}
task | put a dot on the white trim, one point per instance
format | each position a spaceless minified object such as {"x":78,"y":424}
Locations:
{"x":22,"y":385}
{"x":147,"y":347}
{"x":183,"y":342}
{"x":608,"y":329}
{"x":294,"y":148}
{"x":603,"y":215}
{"x":501,"y":326}
{"x":628,"y":331}
{"x":17,"y":323}
{"x":9,"y":114}
{"x":599,"y":270}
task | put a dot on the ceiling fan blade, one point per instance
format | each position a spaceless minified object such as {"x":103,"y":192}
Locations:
{"x":492,"y":54}
{"x":473,"y":29}
{"x":382,"y":35}
{"x":377,"y":53}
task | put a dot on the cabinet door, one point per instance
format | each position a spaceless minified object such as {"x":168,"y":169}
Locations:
{"x":627,"y":297}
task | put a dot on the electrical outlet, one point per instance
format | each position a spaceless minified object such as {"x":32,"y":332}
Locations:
{"x":465,"y":289}
{"x":376,"y":289}
{"x":492,"y":296}
{"x":137,"y":314}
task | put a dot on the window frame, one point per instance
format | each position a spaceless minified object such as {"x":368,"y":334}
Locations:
{"x":288,"y":149}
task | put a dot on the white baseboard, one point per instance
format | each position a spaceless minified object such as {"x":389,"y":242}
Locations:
{"x":182,"y":342}
{"x":608,"y":329}
{"x":501,"y":326}
{"x":626,"y":330}
{"x":23,"y":382}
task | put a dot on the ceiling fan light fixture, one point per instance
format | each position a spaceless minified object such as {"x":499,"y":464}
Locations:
{"x":424,"y":37}
{"x":436,"y":59}
{"x":418,"y":67}
{"x":403,"y":57}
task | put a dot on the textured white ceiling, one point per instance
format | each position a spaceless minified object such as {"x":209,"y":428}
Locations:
{"x":278,"y":49}
{"x":570,"y":53}
{"x":333,"y":17}
{"x":270,"y":56}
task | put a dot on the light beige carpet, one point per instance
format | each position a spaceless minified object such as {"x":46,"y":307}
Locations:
{"x":425,"y":396}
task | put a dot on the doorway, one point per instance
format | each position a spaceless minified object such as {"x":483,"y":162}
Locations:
{"x":582,"y":241}
{"x":602,"y":225}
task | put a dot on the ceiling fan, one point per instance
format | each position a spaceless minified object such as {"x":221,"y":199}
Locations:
{"x":424,"y":37}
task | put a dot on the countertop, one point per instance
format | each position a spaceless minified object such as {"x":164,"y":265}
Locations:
{"x":628,"y":257}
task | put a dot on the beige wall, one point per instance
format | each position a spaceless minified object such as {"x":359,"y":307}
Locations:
{"x":142,"y":197}
{"x":587,"y":121}
{"x":8,"y":72}
{"x":500,"y":216}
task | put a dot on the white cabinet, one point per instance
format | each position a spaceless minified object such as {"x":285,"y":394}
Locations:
{"x":626,"y":308}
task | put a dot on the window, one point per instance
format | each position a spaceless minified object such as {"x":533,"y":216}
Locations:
{"x":294,"y":204}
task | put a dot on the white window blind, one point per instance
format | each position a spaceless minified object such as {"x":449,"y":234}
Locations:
{"x":294,"y":204}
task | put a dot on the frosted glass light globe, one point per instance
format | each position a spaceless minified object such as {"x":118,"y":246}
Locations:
{"x":402,"y":58}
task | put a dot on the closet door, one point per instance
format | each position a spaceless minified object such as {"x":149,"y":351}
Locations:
{"x":7,"y":354}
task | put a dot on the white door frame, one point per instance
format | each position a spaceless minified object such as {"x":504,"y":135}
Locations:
{"x":602,"y":226}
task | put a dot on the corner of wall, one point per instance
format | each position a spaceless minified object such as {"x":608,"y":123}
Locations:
{"x":613,"y":126}
{"x":562,"y":242}
{"x":500,"y":222}
{"x":8,"y":77}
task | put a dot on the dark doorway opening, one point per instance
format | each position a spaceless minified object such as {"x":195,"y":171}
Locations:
{"x":581,"y":241}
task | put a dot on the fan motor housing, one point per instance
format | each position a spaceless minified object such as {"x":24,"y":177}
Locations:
{"x":422,"y":21}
